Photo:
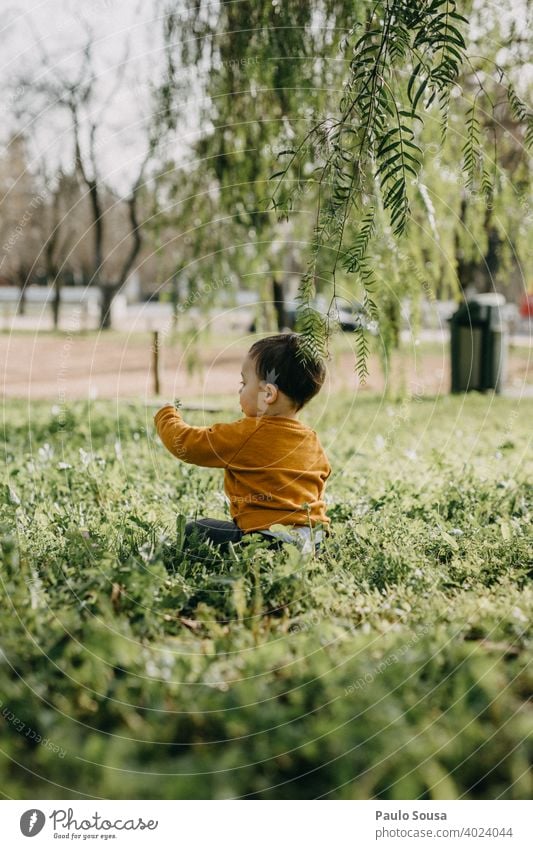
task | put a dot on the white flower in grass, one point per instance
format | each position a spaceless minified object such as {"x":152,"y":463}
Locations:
{"x":86,"y":457}
{"x":46,"y":452}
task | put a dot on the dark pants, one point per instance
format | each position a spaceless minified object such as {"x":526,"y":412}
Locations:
{"x":221,"y":533}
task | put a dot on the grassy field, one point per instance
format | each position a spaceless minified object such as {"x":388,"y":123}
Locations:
{"x":395,"y":665}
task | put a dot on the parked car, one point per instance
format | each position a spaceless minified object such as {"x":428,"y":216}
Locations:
{"x":350,"y":315}
{"x":526,"y":306}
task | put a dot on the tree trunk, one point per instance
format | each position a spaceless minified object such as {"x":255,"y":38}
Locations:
{"x":21,"y":306}
{"x":56,"y":301}
{"x":465,"y":268}
{"x":491,"y":261}
{"x":174,"y":300}
{"x":107,"y":296}
{"x":278,"y":297}
{"x":480,"y":271}
{"x":392,"y":312}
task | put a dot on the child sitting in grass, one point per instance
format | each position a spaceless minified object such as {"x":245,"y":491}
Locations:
{"x":275,"y":467}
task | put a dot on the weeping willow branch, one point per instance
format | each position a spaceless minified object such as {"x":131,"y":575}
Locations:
{"x":368,"y":153}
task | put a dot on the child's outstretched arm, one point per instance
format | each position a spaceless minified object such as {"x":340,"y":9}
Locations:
{"x":213,"y":446}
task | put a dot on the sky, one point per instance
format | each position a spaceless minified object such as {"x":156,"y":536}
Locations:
{"x":126,"y":34}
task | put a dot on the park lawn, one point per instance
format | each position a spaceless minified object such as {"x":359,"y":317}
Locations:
{"x":395,"y":665}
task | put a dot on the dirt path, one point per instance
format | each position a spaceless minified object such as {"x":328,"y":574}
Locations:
{"x":68,"y":367}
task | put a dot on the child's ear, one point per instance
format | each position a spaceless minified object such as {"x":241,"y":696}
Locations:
{"x":271,"y":393}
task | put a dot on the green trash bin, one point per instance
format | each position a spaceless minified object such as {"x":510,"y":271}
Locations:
{"x":478,"y":344}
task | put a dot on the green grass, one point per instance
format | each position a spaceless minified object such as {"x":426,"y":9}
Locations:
{"x":395,"y":665}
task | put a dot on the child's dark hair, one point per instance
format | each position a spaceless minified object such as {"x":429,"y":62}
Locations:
{"x":276,"y":361}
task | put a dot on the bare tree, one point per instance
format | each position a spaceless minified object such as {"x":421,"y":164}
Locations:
{"x":81,"y":101}
{"x":21,"y":203}
{"x":89,"y":173}
{"x":58,"y":232}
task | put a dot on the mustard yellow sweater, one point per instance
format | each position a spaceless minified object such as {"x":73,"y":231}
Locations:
{"x":273,"y":465}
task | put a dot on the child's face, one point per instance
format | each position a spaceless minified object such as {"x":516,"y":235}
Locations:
{"x":252,"y":390}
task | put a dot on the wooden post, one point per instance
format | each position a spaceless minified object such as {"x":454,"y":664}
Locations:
{"x":155,"y":362}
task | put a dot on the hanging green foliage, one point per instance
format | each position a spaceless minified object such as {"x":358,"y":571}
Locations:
{"x":370,"y":147}
{"x":350,"y":131}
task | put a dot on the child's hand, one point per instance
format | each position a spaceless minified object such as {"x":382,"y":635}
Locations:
{"x":176,"y":403}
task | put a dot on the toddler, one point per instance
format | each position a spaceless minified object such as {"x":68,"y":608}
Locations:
{"x":275,"y":467}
